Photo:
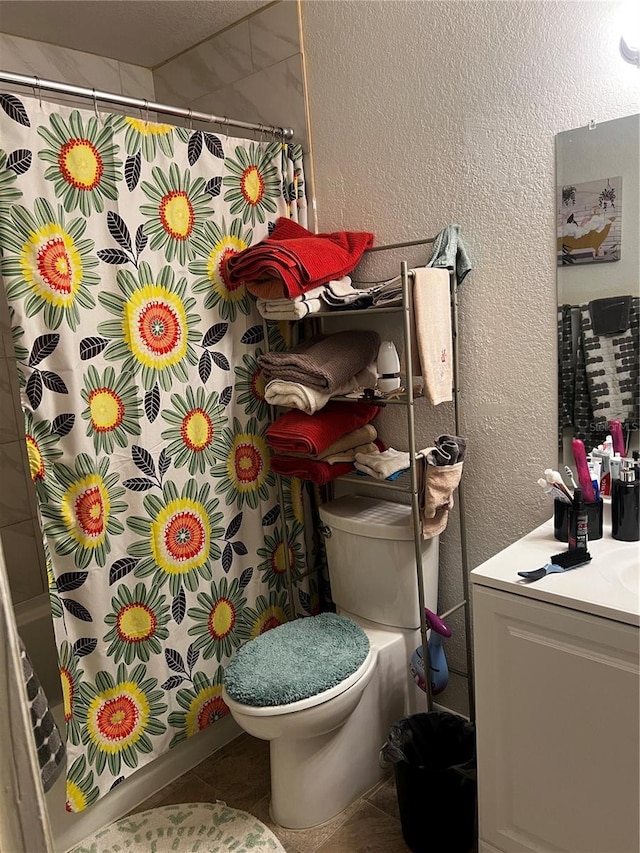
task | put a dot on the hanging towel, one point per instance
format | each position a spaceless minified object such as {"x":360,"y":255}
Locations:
{"x":49,"y":743}
{"x":295,"y":432}
{"x":326,"y":364}
{"x":449,"y":449}
{"x":432,"y":316}
{"x":436,"y":485}
{"x":302,"y":260}
{"x":449,"y":251}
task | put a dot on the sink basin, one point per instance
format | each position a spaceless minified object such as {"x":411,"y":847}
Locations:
{"x":630,"y":578}
{"x":622,"y":565}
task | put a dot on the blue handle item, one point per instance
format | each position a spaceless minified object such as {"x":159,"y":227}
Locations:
{"x":439,"y":670}
{"x":548,"y":569}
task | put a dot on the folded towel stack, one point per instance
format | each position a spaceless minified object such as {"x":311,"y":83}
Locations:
{"x":295,"y":395}
{"x":386,"y":465}
{"x":345,"y":448}
{"x":298,"y":258}
{"x":332,"y":296}
{"x":305,"y":444}
{"x":325,"y":365}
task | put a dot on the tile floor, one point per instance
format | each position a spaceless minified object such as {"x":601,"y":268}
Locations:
{"x":239,"y":775}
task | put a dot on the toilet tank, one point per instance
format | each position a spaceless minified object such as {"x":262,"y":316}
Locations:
{"x":372,"y":563}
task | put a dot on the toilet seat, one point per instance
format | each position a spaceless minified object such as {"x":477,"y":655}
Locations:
{"x":306,"y":662}
{"x":310,"y":701}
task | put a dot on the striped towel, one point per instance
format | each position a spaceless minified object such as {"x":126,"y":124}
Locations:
{"x":49,"y":744}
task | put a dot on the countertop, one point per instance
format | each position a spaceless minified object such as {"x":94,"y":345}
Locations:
{"x":608,"y":586}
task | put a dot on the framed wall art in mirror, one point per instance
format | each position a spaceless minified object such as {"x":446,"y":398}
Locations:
{"x":589,"y":217}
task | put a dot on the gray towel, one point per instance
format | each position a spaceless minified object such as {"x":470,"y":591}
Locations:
{"x":325,"y":365}
{"x":49,"y":744}
{"x":449,"y":251}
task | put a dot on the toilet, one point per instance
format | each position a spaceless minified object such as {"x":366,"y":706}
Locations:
{"x":327,"y":713}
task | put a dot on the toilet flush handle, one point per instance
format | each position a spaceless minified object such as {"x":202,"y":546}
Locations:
{"x":325,"y":531}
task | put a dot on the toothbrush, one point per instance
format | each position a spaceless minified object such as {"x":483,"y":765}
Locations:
{"x":554,"y":479}
{"x":551,"y":489}
{"x":569,"y":474}
{"x":582,"y":468}
{"x":615,"y":427}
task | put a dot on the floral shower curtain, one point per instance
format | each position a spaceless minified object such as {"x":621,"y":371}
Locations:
{"x":145,"y":415}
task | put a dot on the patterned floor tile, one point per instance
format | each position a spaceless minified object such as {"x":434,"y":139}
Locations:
{"x":385,"y":797}
{"x":302,"y":840}
{"x":239,"y":773}
{"x":188,"y":788}
{"x":368,"y":830}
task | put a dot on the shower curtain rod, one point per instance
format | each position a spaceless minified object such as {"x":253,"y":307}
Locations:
{"x":37,"y":84}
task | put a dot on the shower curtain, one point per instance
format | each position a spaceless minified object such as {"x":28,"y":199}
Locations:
{"x":145,"y":415}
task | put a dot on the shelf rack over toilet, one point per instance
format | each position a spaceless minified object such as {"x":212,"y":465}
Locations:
{"x":408,"y":400}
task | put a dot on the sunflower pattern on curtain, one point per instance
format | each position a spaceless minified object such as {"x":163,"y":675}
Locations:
{"x":145,"y":415}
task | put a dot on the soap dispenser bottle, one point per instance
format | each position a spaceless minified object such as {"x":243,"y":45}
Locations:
{"x":625,"y":503}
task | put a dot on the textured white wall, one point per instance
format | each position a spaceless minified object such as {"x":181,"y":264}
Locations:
{"x":426,"y":113}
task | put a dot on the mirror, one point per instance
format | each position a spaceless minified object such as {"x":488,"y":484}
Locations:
{"x":598,"y":276}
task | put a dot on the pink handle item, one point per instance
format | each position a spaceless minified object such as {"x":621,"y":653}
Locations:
{"x":436,"y":624}
{"x":615,"y":428}
{"x":582,"y":470}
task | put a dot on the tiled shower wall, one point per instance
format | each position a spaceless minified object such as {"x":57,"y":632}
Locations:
{"x":252,"y":71}
{"x":19,"y":530}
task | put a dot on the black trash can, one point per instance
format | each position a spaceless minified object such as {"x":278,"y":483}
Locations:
{"x":434,"y":763}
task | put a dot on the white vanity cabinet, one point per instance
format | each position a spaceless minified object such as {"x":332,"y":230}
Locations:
{"x":557,"y":701}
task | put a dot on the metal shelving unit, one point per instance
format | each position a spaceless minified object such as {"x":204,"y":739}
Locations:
{"x":408,"y":483}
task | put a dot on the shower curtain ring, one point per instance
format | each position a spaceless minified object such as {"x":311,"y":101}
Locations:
{"x":146,"y":111}
{"x":39,"y":93}
{"x":190,"y":119}
{"x":95,"y":105}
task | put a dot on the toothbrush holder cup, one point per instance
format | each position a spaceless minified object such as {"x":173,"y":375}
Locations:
{"x":562,"y":517}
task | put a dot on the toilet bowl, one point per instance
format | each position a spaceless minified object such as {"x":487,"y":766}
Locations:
{"x":324,"y":747}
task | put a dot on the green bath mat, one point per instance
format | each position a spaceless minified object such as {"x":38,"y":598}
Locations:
{"x":184,"y":828}
{"x":296,"y":660}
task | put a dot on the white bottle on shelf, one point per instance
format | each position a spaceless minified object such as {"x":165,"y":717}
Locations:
{"x":388,"y":367}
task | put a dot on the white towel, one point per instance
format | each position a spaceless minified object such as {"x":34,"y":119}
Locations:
{"x":289,"y":309}
{"x":382,"y":465}
{"x":295,"y":395}
{"x":432,"y":314}
{"x":309,"y":302}
{"x":349,"y":455}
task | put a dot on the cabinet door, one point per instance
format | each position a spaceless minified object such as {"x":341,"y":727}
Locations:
{"x":557,"y":723}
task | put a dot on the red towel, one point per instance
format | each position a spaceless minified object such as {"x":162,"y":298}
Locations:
{"x":309,"y":469}
{"x":302,"y":260}
{"x":297,"y":432}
